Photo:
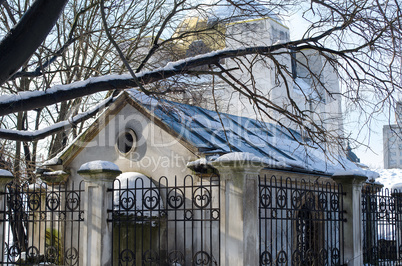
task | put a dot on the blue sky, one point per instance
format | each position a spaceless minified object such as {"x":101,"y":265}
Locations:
{"x":372,"y":135}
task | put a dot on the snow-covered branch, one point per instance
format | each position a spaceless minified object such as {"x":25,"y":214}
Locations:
{"x":60,"y":126}
{"x":37,"y":99}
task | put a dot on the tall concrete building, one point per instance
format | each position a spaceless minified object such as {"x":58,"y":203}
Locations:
{"x":392,"y":137}
{"x":311,"y":84}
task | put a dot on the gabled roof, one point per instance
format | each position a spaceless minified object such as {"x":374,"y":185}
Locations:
{"x":213,"y":134}
{"x":210,"y":134}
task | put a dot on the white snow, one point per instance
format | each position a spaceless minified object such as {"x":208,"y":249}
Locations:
{"x":397,"y":187}
{"x":99,"y":165}
{"x":52,"y":161}
{"x":241,"y":156}
{"x":198,"y":162}
{"x":357,"y":172}
{"x":5,"y":173}
{"x":59,"y":125}
{"x":389,"y":177}
{"x":54,"y":173}
{"x":137,"y":193}
{"x":4,"y":99}
{"x":38,"y":185}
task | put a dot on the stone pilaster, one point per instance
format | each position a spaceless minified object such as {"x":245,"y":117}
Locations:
{"x":5,"y":178}
{"x":98,"y":176}
{"x":352,"y":244}
{"x":239,"y":209}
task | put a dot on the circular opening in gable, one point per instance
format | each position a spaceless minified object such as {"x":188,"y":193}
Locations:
{"x":126,"y":142}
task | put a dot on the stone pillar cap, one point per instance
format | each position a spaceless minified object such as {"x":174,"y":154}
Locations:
{"x":351,"y":176}
{"x":5,"y":178}
{"x":6,"y":174}
{"x":99,"y":170}
{"x":397,"y":187}
{"x":98,"y":167}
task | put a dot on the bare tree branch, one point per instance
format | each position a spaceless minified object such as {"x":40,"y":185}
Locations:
{"x":23,"y":40}
{"x":57,"y":127}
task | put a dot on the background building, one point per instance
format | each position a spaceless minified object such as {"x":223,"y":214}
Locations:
{"x":392,"y":137}
{"x":306,"y":80}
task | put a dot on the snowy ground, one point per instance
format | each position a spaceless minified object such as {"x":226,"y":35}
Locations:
{"x":389,"y":177}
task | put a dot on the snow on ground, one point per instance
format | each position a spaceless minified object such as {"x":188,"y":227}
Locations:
{"x":389,"y":177}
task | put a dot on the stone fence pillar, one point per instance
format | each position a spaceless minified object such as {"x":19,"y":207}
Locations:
{"x":5,"y":178}
{"x":352,"y":205}
{"x":239,"y":208}
{"x":97,"y":233}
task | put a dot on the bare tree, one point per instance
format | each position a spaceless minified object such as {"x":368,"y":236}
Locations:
{"x":358,"y":40}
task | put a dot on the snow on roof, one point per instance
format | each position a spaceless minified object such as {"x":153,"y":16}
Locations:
{"x":215,"y":133}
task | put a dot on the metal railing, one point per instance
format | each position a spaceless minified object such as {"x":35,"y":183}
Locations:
{"x":301,"y":222}
{"x":382,"y":213}
{"x":41,"y":223}
{"x":166,"y":223}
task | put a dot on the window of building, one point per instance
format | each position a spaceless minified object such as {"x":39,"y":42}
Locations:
{"x":126,"y":141}
{"x":392,"y":162}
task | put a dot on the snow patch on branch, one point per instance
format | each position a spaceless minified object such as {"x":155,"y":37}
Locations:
{"x":44,"y":132}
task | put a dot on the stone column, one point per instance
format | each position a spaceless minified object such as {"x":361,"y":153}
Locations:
{"x":97,"y":232}
{"x":5,"y":178}
{"x":352,"y":205}
{"x":239,"y":208}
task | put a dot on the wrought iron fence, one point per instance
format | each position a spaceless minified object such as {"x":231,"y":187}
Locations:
{"x":301,"y":222}
{"x":166,"y":223}
{"x":41,"y":224}
{"x":382,"y":217}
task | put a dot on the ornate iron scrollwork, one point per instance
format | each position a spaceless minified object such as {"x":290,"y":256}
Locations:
{"x":201,"y":258}
{"x":34,"y":201}
{"x":175,"y":198}
{"x":151,"y":199}
{"x":176,"y":256}
{"x":71,"y":256}
{"x":73,"y":201}
{"x":266,"y":258}
{"x":201,"y":197}
{"x":127,"y":256}
{"x":53,"y":200}
{"x":127,"y":199}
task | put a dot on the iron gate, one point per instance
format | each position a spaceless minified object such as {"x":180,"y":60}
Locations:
{"x":301,"y":222}
{"x":41,"y":224}
{"x":382,"y":210}
{"x":166,"y":223}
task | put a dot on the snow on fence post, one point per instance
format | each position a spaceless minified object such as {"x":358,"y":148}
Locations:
{"x":352,"y":242}
{"x":239,"y":173}
{"x":5,"y":178}
{"x":97,"y":233}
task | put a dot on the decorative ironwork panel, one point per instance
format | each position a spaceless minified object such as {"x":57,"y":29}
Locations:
{"x":301,"y":222}
{"x":382,"y":217}
{"x":166,"y":221}
{"x":41,"y":224}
